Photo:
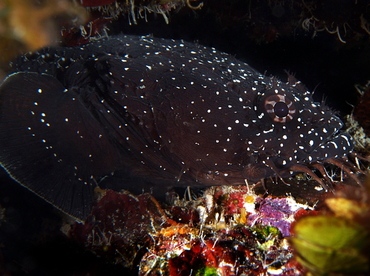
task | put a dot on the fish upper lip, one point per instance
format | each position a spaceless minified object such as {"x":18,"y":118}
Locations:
{"x":332,"y":137}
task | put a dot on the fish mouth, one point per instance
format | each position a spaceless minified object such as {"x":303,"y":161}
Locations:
{"x":335,"y":147}
{"x":333,"y":152}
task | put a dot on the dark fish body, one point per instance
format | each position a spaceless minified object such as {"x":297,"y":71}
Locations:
{"x":169,"y":112}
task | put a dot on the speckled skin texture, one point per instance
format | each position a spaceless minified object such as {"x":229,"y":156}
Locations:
{"x":169,"y":112}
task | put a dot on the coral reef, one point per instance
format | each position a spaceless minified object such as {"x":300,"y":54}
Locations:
{"x":121,"y":226}
{"x":230,"y":231}
{"x":361,"y":110}
{"x":38,"y":23}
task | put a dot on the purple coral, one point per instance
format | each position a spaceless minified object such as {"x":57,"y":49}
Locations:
{"x":275,"y":212}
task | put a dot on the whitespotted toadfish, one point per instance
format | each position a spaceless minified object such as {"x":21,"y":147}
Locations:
{"x":158,"y":111}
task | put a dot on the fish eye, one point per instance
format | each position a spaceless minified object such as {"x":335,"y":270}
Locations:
{"x":280,"y":108}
